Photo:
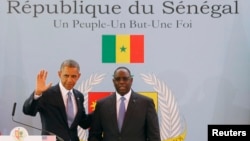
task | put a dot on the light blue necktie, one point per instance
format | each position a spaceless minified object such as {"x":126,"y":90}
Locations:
{"x":121,"y":114}
{"x":70,"y":109}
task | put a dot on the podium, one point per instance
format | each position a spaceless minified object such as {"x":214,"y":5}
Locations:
{"x":21,"y":134}
{"x":28,"y":138}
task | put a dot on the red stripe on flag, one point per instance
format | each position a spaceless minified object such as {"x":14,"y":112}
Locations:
{"x":137,"y":49}
{"x":93,"y":97}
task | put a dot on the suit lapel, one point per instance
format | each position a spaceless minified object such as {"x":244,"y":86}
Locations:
{"x":78,"y":106}
{"x":59,"y":100}
{"x":130,"y":110}
{"x":112,"y":111}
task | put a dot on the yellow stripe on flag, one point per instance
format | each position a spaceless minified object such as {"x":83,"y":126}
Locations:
{"x":122,"y":48}
{"x":152,"y":95}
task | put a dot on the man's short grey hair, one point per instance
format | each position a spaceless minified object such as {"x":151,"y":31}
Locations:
{"x":70,"y":63}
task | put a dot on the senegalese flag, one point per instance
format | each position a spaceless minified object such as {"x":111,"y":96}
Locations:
{"x":123,"y":48}
{"x":94,"y":96}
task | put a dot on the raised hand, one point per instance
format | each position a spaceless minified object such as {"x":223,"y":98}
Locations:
{"x":41,"y":85}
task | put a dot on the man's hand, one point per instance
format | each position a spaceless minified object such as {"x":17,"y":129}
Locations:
{"x":41,"y":82}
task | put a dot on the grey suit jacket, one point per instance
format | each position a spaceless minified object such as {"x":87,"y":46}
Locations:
{"x":140,"y":123}
{"x":53,"y":114}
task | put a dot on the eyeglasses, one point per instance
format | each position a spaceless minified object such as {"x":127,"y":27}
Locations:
{"x":122,"y":78}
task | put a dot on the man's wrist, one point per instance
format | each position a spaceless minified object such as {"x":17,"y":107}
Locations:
{"x":38,"y":93}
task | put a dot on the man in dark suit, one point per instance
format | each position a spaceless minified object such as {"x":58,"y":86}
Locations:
{"x":51,"y":103}
{"x":140,"y":122}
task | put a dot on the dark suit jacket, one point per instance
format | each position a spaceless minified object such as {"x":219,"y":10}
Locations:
{"x":53,"y":114}
{"x":140,"y":122}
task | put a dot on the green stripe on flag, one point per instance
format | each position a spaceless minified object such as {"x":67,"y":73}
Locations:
{"x":108,"y":48}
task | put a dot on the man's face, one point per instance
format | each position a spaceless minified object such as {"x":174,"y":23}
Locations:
{"x":69,"y":77}
{"x":122,"y":81}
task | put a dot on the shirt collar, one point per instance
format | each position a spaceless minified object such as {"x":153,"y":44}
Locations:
{"x":63,"y":90}
{"x":127,"y":95}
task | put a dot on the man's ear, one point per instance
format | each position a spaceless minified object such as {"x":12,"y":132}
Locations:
{"x":59,"y":73}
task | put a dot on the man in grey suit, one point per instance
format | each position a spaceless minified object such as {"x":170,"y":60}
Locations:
{"x":51,"y":103}
{"x":140,"y":122}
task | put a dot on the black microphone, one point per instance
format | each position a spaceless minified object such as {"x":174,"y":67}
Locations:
{"x":13,"y":113}
{"x":14,"y":110}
